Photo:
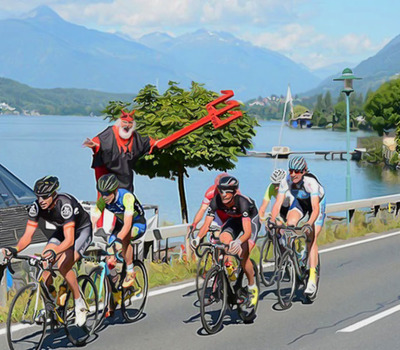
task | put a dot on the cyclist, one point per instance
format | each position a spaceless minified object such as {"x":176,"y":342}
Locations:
{"x":67,"y":243}
{"x":130,"y":223}
{"x":309,"y":198}
{"x":220,"y":216}
{"x":240,"y":230}
{"x":272,"y":191}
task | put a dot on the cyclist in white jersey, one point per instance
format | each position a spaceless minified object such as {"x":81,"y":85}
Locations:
{"x":308,"y":198}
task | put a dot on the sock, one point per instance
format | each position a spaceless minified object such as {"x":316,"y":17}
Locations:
{"x":252,"y":287}
{"x":79,"y":302}
{"x":313,"y":275}
{"x":129,"y":268}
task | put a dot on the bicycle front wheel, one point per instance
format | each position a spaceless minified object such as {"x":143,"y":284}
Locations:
{"x":213,"y":300}
{"x":203,"y":266}
{"x":76,"y":334}
{"x":26,"y":322}
{"x":286,"y":281}
{"x":102,"y":283}
{"x":134,"y":298}
{"x":268,"y":262}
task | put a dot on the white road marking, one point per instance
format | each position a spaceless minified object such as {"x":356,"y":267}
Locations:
{"x":369,"y":320}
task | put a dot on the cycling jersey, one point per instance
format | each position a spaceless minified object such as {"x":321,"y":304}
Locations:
{"x":272,"y":192}
{"x":308,"y":186}
{"x":64,"y":209}
{"x":208,"y":196}
{"x":243,"y":207}
{"x":125,"y":203}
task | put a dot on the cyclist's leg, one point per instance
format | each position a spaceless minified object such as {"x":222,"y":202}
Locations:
{"x":137,"y":231}
{"x":317,"y":229}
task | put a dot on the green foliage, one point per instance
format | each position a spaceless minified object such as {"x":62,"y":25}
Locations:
{"x":298,"y":110}
{"x":373,"y":145}
{"x":383,"y":106}
{"x":55,"y":101}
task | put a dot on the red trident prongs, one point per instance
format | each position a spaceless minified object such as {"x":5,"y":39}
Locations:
{"x":212,"y":116}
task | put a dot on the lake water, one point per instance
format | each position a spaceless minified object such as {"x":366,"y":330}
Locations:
{"x":32,"y":147}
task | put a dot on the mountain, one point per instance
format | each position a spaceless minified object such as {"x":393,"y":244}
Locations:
{"x":332,"y":69}
{"x":374,"y":71}
{"x":43,"y":50}
{"x":222,"y":61}
{"x":55,"y":101}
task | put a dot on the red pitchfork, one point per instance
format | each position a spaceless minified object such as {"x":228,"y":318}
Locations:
{"x":212,"y":116}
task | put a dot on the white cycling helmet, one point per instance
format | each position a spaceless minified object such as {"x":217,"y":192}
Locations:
{"x":277,"y":176}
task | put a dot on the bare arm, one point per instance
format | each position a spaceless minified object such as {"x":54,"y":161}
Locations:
{"x":261,"y":211}
{"x":204,"y":229}
{"x":69,"y":238}
{"x":315,"y":210}
{"x":26,"y":238}
{"x":199,"y":215}
{"x":277,"y":206}
{"x":246,"y":222}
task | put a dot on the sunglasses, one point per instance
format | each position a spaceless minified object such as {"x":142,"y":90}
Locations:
{"x":292,"y":171}
{"x":223,"y":192}
{"x":44,"y":197}
{"x":105,"y":194}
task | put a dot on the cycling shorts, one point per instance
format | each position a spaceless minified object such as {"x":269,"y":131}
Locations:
{"x":304,"y":207}
{"x":140,"y":225}
{"x":234,"y":227}
{"x":84,"y":237}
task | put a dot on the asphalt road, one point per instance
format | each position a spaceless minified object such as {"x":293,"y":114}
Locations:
{"x":359,"y":285}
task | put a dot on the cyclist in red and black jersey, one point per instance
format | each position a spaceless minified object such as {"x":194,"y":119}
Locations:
{"x":240,"y":230}
{"x":220,"y":216}
{"x":66,"y":245}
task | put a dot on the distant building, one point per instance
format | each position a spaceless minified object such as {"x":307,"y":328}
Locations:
{"x":302,"y":121}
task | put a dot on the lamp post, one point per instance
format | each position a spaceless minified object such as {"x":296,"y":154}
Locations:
{"x":347,"y":77}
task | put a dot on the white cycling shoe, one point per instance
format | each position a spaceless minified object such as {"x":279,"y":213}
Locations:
{"x":80,"y":315}
{"x":311,"y":288}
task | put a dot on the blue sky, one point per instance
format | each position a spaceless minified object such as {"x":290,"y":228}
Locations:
{"x":316,"y":33}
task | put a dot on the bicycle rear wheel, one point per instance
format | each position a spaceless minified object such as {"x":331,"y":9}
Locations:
{"x":203,"y":266}
{"x":102,"y":283}
{"x":268,"y":265}
{"x":27,"y":321}
{"x":286,"y":281}
{"x":134,"y":298}
{"x":79,"y":335}
{"x":213,"y":300}
{"x":246,"y":311}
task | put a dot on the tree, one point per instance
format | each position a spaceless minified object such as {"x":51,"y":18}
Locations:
{"x":161,"y":115}
{"x":382,"y":107}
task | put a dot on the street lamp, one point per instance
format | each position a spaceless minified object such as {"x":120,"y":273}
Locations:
{"x":348,"y":77}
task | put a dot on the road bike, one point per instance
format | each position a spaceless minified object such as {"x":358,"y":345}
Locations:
{"x":270,"y":254}
{"x":220,"y":291}
{"x":132,"y":300}
{"x":34,"y":308}
{"x":292,"y":269}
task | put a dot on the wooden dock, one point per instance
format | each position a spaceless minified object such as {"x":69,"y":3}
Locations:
{"x":356,"y":154}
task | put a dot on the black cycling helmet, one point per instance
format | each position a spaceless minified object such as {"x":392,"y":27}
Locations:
{"x":46,"y":186}
{"x":228,"y":183}
{"x":107,"y":184}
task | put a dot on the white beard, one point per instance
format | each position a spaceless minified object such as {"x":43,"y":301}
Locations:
{"x":122,"y":132}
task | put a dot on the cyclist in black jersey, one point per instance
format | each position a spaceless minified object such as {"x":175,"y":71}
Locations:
{"x":66,"y":245}
{"x":240,"y":230}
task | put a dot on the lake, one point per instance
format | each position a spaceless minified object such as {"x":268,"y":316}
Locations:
{"x":32,"y":147}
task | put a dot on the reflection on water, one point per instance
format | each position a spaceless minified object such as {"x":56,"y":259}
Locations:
{"x":34,"y":146}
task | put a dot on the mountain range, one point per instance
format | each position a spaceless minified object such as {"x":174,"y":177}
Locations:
{"x":45,"y":51}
